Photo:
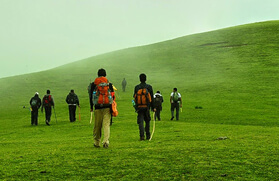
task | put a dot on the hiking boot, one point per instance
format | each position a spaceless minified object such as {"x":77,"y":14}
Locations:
{"x":105,"y":145}
{"x":142,"y":138}
{"x":96,"y":146}
{"x":172,"y":118}
{"x":47,"y":123}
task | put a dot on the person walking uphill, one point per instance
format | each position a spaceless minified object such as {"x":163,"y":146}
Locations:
{"x":176,"y":102}
{"x":35,"y":103}
{"x":143,"y":94}
{"x":124,"y":83}
{"x":101,"y":97}
{"x":158,"y":100}
{"x":47,"y":104}
{"x":73,"y":102}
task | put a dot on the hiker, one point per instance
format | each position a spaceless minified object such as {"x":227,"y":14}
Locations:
{"x":124,"y":83}
{"x":101,"y":97}
{"x":35,"y":103}
{"x":143,"y":94}
{"x":158,"y":100}
{"x":176,"y":102}
{"x":47,"y":104}
{"x":73,"y":102}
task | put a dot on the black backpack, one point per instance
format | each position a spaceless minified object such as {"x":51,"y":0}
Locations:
{"x":72,"y":99}
{"x":158,"y":100}
{"x":34,"y":102}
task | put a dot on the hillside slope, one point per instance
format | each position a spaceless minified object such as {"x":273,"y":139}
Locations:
{"x":231,"y":73}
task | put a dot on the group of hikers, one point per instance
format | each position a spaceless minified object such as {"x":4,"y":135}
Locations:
{"x":36,"y":103}
{"x":47,"y":103}
{"x":102,"y":103}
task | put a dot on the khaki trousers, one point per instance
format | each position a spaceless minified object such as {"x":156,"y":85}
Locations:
{"x":102,"y":120}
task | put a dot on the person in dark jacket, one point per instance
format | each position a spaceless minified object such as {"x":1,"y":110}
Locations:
{"x":144,"y":113}
{"x":158,"y":100}
{"x":47,"y":104}
{"x":35,"y":103}
{"x":102,"y":109}
{"x":72,"y":101}
{"x":124,"y":83}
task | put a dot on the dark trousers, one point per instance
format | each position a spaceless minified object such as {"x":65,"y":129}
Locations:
{"x":72,"y":113}
{"x":34,"y":116}
{"x":144,"y":116}
{"x":175,"y":106}
{"x":48,"y":113}
{"x":158,"y":114}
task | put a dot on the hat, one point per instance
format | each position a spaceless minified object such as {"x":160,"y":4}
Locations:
{"x":36,"y":93}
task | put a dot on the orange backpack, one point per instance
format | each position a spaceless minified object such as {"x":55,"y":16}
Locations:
{"x":142,"y":98}
{"x":102,"y":94}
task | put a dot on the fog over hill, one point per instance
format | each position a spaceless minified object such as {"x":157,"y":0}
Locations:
{"x":231,"y":72}
{"x":41,"y":35}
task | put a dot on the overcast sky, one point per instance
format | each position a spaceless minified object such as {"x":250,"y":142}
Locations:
{"x":37,"y":35}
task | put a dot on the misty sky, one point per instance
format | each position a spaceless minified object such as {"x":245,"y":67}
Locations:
{"x":37,"y":35}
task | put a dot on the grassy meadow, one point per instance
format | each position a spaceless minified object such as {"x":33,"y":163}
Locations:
{"x":231,"y":73}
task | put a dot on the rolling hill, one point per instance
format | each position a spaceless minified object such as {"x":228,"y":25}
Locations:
{"x":232,"y":73}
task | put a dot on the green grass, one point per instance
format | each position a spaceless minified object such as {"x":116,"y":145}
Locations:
{"x":231,"y":73}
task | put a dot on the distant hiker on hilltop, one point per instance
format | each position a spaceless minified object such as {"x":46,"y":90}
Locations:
{"x":158,"y":100}
{"x":35,"y":103}
{"x":143,"y":95}
{"x":176,"y":102}
{"x":72,"y":101}
{"x":47,"y":104}
{"x":101,"y":97}
{"x":124,"y":83}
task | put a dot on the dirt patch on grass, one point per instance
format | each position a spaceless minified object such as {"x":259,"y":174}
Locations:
{"x":233,"y":46}
{"x":217,"y":43}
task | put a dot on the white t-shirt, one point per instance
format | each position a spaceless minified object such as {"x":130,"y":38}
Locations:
{"x":179,"y":95}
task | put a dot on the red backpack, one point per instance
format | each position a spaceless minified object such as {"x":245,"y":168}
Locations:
{"x":47,"y":100}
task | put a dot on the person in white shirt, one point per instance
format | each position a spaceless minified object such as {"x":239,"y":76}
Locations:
{"x":158,"y":100}
{"x":176,"y":102}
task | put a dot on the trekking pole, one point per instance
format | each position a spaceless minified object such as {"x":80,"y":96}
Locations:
{"x":55,"y":114}
{"x":153,"y":126}
{"x":91,"y":117}
{"x":79,"y":117}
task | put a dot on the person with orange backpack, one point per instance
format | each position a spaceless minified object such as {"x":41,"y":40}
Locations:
{"x":101,"y":97}
{"x":47,"y":104}
{"x":143,"y":98}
